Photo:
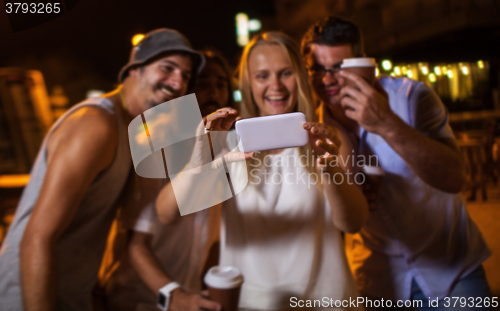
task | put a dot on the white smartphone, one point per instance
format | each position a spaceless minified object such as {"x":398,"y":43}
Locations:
{"x":272,"y":132}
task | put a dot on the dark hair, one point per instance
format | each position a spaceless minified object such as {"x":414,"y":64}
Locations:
{"x":212,"y":55}
{"x":334,"y":31}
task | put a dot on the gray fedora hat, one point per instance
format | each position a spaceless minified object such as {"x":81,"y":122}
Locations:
{"x":159,"y":41}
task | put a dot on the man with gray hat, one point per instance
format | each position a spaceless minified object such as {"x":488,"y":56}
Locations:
{"x":53,"y":250}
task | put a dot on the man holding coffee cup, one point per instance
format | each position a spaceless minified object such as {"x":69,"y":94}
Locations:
{"x":419,"y":241}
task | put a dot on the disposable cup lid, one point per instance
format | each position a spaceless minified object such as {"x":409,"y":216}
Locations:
{"x":358,"y":62}
{"x":373,"y":170}
{"x":223,"y":277}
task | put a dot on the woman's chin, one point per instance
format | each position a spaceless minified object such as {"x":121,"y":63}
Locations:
{"x":278,"y":111}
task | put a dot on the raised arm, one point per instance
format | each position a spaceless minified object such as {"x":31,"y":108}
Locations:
{"x":347,"y":202}
{"x":77,"y":151}
{"x":437,"y":161}
{"x":166,"y":202}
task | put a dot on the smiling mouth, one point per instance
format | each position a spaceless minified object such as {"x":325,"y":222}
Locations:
{"x":331,"y":91}
{"x":168,"y":92}
{"x":277,"y":100}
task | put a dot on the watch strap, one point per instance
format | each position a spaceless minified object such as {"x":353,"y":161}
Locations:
{"x":165,"y":295}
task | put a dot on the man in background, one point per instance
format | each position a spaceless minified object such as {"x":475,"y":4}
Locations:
{"x":419,"y":241}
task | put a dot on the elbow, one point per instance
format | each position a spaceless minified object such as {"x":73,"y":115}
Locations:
{"x":355,"y":224}
{"x":164,"y":215}
{"x":167,"y":219}
{"x":457,"y":185}
{"x":461,"y":178}
{"x":352,"y":228}
{"x":457,"y":179}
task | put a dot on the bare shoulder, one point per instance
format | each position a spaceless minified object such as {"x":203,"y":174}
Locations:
{"x":89,"y":131}
{"x":91,"y":119}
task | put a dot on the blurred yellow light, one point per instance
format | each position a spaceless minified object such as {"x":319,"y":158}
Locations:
{"x":432,"y":77}
{"x":465,"y":70}
{"x":425,"y":70}
{"x":409,"y":74}
{"x":444,"y":69}
{"x":392,"y":74}
{"x":480,"y":64}
{"x":386,"y":64}
{"x":437,"y":71}
{"x":377,"y":72}
{"x":137,"y":38}
{"x":404,"y":70}
{"x":397,"y":70}
{"x":450,"y":74}
{"x":14,"y":181}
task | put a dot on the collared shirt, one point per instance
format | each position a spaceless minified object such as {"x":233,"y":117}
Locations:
{"x":416,"y":231}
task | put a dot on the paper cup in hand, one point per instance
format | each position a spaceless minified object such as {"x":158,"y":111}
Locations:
{"x":361,"y":66}
{"x":224,"y":285}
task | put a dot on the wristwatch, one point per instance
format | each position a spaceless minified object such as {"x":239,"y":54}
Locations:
{"x":165,"y":295}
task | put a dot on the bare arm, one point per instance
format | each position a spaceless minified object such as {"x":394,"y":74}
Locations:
{"x":168,"y":211}
{"x":347,"y":202}
{"x":151,"y":272}
{"x":145,"y":262}
{"x":437,"y":162}
{"x":88,"y":135}
{"x":166,"y":202}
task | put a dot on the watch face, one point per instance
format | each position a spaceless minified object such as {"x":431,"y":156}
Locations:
{"x":162,"y":299}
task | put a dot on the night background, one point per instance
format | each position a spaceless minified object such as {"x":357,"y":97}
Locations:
{"x":92,"y":41}
{"x":451,"y":45}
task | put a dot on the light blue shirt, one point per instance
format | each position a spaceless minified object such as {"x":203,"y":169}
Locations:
{"x":416,"y":231}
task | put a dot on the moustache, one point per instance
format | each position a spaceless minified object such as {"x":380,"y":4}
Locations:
{"x":175,"y":93}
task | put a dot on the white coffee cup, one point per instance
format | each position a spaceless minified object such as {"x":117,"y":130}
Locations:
{"x":361,"y":66}
{"x":224,"y":285}
{"x":358,"y":62}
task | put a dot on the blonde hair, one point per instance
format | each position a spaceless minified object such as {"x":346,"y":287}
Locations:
{"x":305,"y":103}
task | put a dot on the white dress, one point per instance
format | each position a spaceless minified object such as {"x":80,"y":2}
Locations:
{"x":282,"y":238}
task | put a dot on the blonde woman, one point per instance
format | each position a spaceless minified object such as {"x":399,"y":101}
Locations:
{"x":283,"y":230}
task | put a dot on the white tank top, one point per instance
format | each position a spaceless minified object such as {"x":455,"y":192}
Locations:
{"x":279,"y":232}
